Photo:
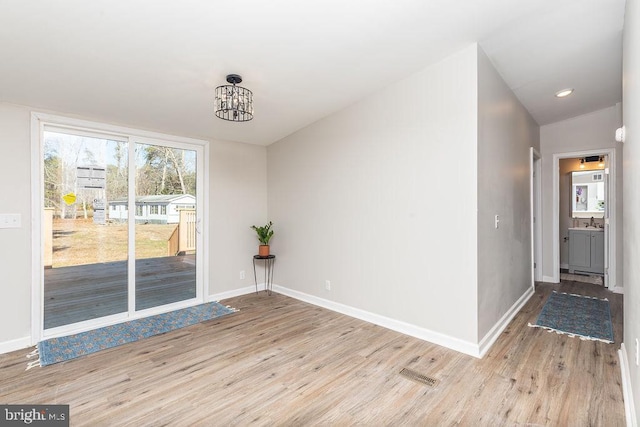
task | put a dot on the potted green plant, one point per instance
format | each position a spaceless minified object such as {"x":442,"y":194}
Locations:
{"x":264,"y":235}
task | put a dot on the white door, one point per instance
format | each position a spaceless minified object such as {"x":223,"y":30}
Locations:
{"x":607,"y":201}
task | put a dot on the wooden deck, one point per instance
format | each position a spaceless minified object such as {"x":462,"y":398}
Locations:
{"x":84,"y":292}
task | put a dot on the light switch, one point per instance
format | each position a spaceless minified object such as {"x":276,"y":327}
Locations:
{"x":10,"y":221}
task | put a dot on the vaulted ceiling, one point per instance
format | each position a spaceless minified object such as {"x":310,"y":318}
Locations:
{"x":155,"y":64}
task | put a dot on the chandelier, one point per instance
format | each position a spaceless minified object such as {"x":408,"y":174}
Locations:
{"x":234,"y":103}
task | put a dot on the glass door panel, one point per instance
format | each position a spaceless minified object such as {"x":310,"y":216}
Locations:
{"x":166,"y":225}
{"x":85,"y":227}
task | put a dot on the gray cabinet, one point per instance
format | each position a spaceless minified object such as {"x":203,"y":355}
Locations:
{"x":586,"y":251}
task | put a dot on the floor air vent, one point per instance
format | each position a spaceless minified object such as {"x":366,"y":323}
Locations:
{"x":418,"y":377}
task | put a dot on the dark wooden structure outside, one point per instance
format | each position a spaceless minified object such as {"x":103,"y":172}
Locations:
{"x":84,"y":292}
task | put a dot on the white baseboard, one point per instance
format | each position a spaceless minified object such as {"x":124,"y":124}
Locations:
{"x":565,"y":266}
{"x":627,"y":392}
{"x":13,"y":345}
{"x":491,"y":337}
{"x":386,"y":322}
{"x":234,"y":293}
{"x":617,"y":290}
{"x":550,"y":279}
{"x":438,"y":338}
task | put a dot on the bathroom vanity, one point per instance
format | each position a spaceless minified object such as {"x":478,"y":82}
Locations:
{"x":586,"y":250}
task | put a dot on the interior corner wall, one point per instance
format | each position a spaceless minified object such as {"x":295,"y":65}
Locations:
{"x":15,"y":250}
{"x":506,"y":131}
{"x":237,"y":199}
{"x":380,"y":199}
{"x":631,"y":147}
{"x":591,"y":131}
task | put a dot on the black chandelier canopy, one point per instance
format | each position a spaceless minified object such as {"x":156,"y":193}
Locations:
{"x":234,"y":103}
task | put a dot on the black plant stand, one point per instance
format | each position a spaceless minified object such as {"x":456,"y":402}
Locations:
{"x":269,"y":261}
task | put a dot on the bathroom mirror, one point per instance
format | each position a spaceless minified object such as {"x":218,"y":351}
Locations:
{"x":587,"y":194}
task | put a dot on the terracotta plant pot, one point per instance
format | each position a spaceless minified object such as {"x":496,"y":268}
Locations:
{"x":263,"y":250}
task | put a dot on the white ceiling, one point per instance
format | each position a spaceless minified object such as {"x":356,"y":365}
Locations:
{"x":154,"y":64}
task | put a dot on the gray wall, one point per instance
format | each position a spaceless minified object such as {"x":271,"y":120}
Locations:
{"x":588,"y":132}
{"x":237,"y":196}
{"x":506,"y":131}
{"x":380,"y":199}
{"x":631,"y":119}
{"x":237,"y":200}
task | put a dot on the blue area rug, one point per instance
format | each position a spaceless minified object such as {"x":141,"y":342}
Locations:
{"x":56,"y":350}
{"x":577,"y":315}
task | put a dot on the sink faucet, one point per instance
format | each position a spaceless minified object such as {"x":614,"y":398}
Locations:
{"x":592,"y":223}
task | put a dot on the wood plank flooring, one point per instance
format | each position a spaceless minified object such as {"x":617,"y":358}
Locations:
{"x":279,"y":361}
{"x":83,"y":292}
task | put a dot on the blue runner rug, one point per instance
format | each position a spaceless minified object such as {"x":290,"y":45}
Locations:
{"x":577,"y":315}
{"x":59,"y":349}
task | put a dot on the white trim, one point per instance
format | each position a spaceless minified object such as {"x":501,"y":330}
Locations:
{"x":491,"y":336}
{"x":611,"y":232}
{"x":551,"y":279}
{"x":535,"y":200}
{"x":565,"y":266}
{"x":37,"y":247}
{"x":234,"y":293}
{"x":405,"y":328}
{"x":452,"y":343}
{"x":17,"y":344}
{"x":627,"y":391}
{"x":132,"y":136}
{"x":618,"y":290}
{"x":115,"y":130}
{"x":203,"y":261}
{"x":131,"y":230}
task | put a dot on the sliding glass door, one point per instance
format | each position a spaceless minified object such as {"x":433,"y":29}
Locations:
{"x":121,"y":227}
{"x":166,"y":225}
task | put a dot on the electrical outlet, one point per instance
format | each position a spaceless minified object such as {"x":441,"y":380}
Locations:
{"x":10,"y":220}
{"x":637,"y":352}
{"x":241,"y":274}
{"x":327,"y":285}
{"x":497,"y":221}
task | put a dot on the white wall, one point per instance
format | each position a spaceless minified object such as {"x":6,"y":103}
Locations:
{"x":588,"y":132}
{"x":631,"y":147}
{"x":237,"y":196}
{"x":380,"y":199}
{"x":506,"y":131}
{"x":15,"y":244}
{"x":237,"y":200}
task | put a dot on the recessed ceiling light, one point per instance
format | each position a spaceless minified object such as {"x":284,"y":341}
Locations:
{"x":563,"y":93}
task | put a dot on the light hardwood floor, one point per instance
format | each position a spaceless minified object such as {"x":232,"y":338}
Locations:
{"x":279,"y":361}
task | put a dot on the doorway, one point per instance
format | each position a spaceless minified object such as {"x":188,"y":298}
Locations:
{"x":535,"y":168}
{"x":121,"y":228}
{"x":597,"y":202}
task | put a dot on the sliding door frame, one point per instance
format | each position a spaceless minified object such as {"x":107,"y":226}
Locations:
{"x":133,"y":136}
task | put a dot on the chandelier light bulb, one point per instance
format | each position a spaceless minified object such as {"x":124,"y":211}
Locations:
{"x":234,"y":103}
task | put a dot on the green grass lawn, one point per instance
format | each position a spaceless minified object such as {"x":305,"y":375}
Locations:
{"x":80,"y":241}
